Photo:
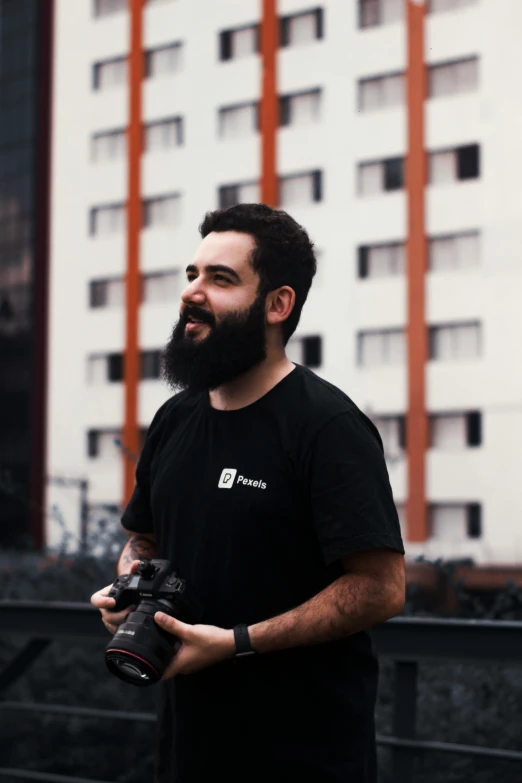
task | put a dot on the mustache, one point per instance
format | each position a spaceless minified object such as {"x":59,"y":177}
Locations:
{"x":193,"y":311}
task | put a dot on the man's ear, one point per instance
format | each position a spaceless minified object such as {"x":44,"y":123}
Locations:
{"x":279,"y":305}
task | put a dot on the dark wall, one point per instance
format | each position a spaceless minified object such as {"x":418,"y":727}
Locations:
{"x":25,"y":47}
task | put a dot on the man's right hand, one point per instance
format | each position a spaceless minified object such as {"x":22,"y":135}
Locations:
{"x":112,"y":620}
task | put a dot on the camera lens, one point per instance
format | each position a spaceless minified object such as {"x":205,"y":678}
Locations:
{"x":140,"y":651}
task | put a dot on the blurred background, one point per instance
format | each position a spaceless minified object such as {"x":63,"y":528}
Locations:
{"x":391,"y":130}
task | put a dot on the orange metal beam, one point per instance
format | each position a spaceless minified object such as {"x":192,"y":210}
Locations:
{"x":132,"y":288}
{"x":269,"y":106}
{"x":417,"y":426}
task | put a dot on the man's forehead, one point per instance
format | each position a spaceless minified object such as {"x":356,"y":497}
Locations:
{"x":225,"y":247}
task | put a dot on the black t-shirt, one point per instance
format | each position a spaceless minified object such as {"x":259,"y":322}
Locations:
{"x":255,"y":507}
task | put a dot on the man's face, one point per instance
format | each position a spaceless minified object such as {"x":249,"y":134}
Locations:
{"x":221,"y":330}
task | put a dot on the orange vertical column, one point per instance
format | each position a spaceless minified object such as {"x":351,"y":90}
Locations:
{"x":132,"y":287}
{"x":269,"y":105}
{"x":417,"y":428}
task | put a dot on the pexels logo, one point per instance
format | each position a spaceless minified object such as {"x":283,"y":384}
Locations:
{"x":228,"y":479}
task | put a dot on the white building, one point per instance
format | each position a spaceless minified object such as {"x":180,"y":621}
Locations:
{"x":340,"y":156}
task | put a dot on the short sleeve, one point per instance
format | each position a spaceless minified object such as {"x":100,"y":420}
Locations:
{"x":352,"y":500}
{"x":137,"y":517}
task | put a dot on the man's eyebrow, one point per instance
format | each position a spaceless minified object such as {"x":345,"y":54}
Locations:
{"x":216,"y":268}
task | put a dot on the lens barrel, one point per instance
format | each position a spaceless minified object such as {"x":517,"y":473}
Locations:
{"x":140,"y":651}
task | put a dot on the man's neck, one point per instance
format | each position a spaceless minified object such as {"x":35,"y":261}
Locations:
{"x":252,"y":385}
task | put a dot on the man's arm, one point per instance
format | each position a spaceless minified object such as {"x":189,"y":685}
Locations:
{"x":371,"y":591}
{"x":139,"y":546}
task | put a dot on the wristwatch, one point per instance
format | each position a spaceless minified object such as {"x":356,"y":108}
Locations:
{"x":242,"y":639}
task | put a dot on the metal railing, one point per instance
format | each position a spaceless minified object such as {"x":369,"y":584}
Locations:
{"x":406,"y":640}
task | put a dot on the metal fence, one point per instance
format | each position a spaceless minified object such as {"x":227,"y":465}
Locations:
{"x":406,"y":640}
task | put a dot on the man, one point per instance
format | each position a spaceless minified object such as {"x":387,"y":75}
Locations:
{"x":267,"y":489}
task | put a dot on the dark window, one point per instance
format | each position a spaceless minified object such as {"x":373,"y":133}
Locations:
{"x":474,"y":428}
{"x":225,"y":45}
{"x":362,"y":259}
{"x":150,"y":365}
{"x":98,"y":293}
{"x":285,"y":24}
{"x":318,"y":185}
{"x":228,"y":196}
{"x":115,"y":367}
{"x":312,"y":351}
{"x":226,"y":41}
{"x":474,"y":520}
{"x":92,"y":443}
{"x":468,"y":162}
{"x":284,"y":110}
{"x":393,"y":174}
{"x":402,"y":431}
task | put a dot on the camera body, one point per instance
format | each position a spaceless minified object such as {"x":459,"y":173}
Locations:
{"x":155,"y":580}
{"x":140,"y":650}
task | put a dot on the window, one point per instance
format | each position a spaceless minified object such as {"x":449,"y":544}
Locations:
{"x":381,"y":92}
{"x":163,"y":134}
{"x":300,"y":189}
{"x":150,"y":365}
{"x":160,"y":287}
{"x":451,"y":165}
{"x":107,"y":220}
{"x":302,"y":108}
{"x":381,"y":176}
{"x":381,"y":260}
{"x":107,"y":7}
{"x":453,"y":78}
{"x":109,"y":145}
{"x":301,"y":28}
{"x":244,"y":193}
{"x":376,"y":12}
{"x":240,"y":42}
{"x":438,"y":6}
{"x":456,"y":430}
{"x":455,"y":341}
{"x":474,"y":520}
{"x":162,"y":211}
{"x":392,"y":430}
{"x":381,"y":347}
{"x":238,"y":120}
{"x":454,"y":252}
{"x":110,"y":73}
{"x":103,"y":444}
{"x":455,"y":522}
{"x":105,"y":367}
{"x":163,"y":60}
{"x":115,"y":367}
{"x":306,"y":350}
{"x":106,"y":293}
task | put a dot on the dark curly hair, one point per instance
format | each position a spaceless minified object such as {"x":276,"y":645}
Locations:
{"x":284,"y":254}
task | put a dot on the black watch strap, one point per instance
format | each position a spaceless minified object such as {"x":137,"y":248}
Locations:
{"x":242,"y":639}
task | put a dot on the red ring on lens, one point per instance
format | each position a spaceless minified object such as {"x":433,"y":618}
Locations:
{"x":133,"y":655}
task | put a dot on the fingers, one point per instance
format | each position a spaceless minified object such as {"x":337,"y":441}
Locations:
{"x":134,"y":566}
{"x":100,"y":598}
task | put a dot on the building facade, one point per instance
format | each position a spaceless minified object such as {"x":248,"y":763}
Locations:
{"x":414,"y":311}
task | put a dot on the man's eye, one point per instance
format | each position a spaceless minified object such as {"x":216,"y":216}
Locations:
{"x":222,"y":277}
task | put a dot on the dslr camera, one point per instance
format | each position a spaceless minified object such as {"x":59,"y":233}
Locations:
{"x":140,"y":651}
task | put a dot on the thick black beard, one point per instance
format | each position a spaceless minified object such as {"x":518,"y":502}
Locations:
{"x":235,"y":344}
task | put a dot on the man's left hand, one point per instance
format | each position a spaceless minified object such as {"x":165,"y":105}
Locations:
{"x":199,"y":646}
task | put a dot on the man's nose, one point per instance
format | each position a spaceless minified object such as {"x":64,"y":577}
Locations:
{"x":193,"y":294}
